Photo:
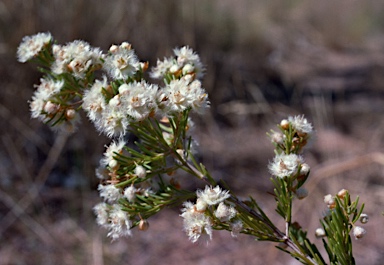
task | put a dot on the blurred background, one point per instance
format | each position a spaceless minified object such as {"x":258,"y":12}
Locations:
{"x":265,"y":60}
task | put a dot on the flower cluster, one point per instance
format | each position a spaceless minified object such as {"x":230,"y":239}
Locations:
{"x":288,"y":165}
{"x":185,"y":63}
{"x":31,"y":46}
{"x":122,"y":96}
{"x":198,"y":220}
{"x":77,"y":58}
{"x":113,"y":218}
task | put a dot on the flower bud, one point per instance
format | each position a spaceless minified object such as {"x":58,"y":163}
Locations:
{"x":143,"y":225}
{"x":115,"y":101}
{"x":304,"y":169}
{"x":187,"y":69}
{"x":284,"y":124}
{"x":140,"y":172}
{"x":126,"y":45}
{"x":70,"y":114}
{"x":329,"y":201}
{"x":51,"y":108}
{"x":319,"y":232}
{"x":174,"y":68}
{"x":364,"y":218}
{"x":341,"y":194}
{"x":113,"y":48}
{"x":201,"y":205}
{"x":359,"y":232}
{"x":113,"y":164}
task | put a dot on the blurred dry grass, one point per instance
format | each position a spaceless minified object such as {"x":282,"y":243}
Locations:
{"x":265,"y":60}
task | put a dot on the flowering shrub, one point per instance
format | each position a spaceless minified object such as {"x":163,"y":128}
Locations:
{"x":137,"y":182}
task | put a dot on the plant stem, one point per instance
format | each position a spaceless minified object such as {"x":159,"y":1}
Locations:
{"x":280,"y":236}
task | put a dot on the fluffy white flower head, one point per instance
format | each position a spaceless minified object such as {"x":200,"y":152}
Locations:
{"x":110,"y":193}
{"x":196,"y":223}
{"x":119,"y":223}
{"x":76,"y":57}
{"x":236,"y":227}
{"x":138,"y":99}
{"x":94,"y":101}
{"x":31,"y":46}
{"x":300,"y":124}
{"x":130,"y":193}
{"x":182,"y":94}
{"x":116,"y":147}
{"x":101,"y":212}
{"x":44,"y":91}
{"x":212,"y":196}
{"x":285,"y":165}
{"x":224,"y":212}
{"x":161,"y":68}
{"x":140,"y":171}
{"x":186,"y":56}
{"x":122,"y":62}
{"x":113,"y":121}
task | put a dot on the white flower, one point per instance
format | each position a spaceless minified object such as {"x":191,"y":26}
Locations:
{"x":201,"y":204}
{"x":224,"y":212}
{"x":122,"y":62}
{"x":36,"y":106}
{"x":186,"y":56}
{"x":319,"y":232}
{"x":76,"y":57}
{"x":329,"y":200}
{"x":140,"y":171}
{"x":285,"y":165}
{"x":49,"y":87}
{"x":116,"y":147}
{"x":181,"y":94}
{"x":300,"y":124}
{"x":138,"y":99}
{"x":161,"y":68}
{"x":130,"y":193}
{"x":359,"y":232}
{"x":196,"y":223}
{"x":277,"y":138}
{"x":102,"y":172}
{"x":44,"y":91}
{"x":101,"y":212}
{"x":304,"y":169}
{"x":94,"y":101}
{"x":113,"y":121}
{"x":186,"y":62}
{"x":119,"y":223}
{"x":212,"y":196}
{"x":110,"y":193}
{"x":31,"y":46}
{"x":236,"y":227}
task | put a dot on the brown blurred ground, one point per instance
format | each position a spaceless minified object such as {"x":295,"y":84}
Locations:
{"x":265,"y":60}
